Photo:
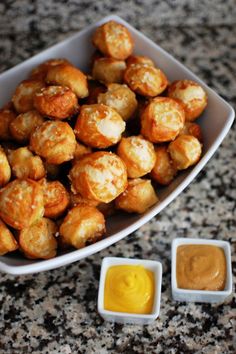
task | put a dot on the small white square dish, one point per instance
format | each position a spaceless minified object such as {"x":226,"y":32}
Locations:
{"x":180,"y":294}
{"x":215,"y":124}
{"x":125,"y":317}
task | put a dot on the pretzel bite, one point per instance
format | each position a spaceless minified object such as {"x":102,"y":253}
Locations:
{"x":164,"y":170}
{"x":83,"y":224}
{"x":121,"y":98}
{"x":185,"y":151}
{"x":145,"y":79}
{"x":23,"y":98}
{"x":99,"y":176}
{"x":138,"y":155}
{"x":138,"y":196}
{"x":25,"y":165}
{"x":57,"y":102}
{"x":192,"y":129}
{"x":162,"y":120}
{"x":139,"y":59}
{"x":7,"y":241}
{"x":21,"y":203}
{"x":113,"y":40}
{"x":191,"y":95}
{"x":7,"y":115}
{"x":38,"y":241}
{"x":54,"y":141}
{"x":80,"y":151}
{"x":5,"y":170}
{"x":40,"y":72}
{"x":70,"y":76}
{"x":24,"y":124}
{"x":55,"y":197}
{"x":109,"y":70}
{"x":99,"y":126}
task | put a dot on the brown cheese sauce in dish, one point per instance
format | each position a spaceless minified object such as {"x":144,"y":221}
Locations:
{"x":200,"y":267}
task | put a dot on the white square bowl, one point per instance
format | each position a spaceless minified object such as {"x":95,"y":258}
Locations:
{"x":215,"y":123}
{"x":200,"y":295}
{"x":124,"y":317}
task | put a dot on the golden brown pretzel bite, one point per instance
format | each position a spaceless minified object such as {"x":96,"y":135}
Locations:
{"x":162,"y":120}
{"x":139,"y":59}
{"x":109,"y":70}
{"x":5,"y":170}
{"x":70,"y":76}
{"x":55,"y":141}
{"x":38,"y":241}
{"x":164,"y":170}
{"x":55,"y":197}
{"x":7,"y":115}
{"x":57,"y":102}
{"x":185,"y":151}
{"x":22,"y":126}
{"x":138,"y":196}
{"x":121,"y":98}
{"x":21,"y":203}
{"x":23,"y":98}
{"x":145,"y":80}
{"x":138,"y":155}
{"x":192,"y":129}
{"x":113,"y":40}
{"x":82,"y":224}
{"x":99,"y":126}
{"x":7,"y":241}
{"x":100,"y":176}
{"x":191,"y":95}
{"x":40,"y":72}
{"x":25,"y":165}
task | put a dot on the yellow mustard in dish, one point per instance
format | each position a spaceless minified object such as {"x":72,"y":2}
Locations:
{"x":200,"y":267}
{"x":129,"y":288}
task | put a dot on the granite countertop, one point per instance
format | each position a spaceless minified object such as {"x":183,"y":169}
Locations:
{"x":56,"y":311}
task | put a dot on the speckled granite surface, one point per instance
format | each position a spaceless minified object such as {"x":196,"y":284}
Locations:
{"x":55,"y":312}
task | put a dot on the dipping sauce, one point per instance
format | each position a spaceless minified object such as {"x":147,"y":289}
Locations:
{"x":200,"y":267}
{"x":129,"y":288}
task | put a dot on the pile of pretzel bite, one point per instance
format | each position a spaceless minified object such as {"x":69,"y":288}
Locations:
{"x":75,"y":148}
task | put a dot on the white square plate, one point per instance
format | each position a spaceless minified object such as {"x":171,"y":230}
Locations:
{"x":215,"y":123}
